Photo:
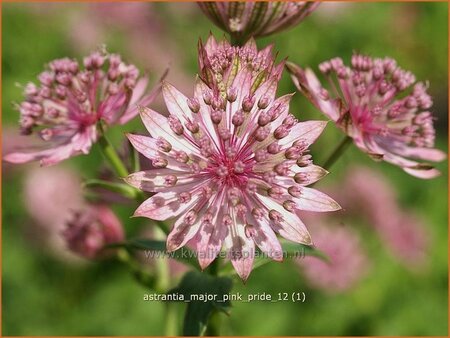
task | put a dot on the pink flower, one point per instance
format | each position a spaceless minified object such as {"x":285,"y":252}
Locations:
{"x":245,"y":19}
{"x":366,"y":192}
{"x":220,"y":65}
{"x":231,"y":172}
{"x":91,"y":229}
{"x":65,"y":108}
{"x":348,"y":262}
{"x":373,"y":106}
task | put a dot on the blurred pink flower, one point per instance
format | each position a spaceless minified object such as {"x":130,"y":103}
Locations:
{"x":50,"y":194}
{"x":348,"y":262}
{"x":367,"y":192}
{"x":69,"y":102}
{"x":371,"y":104}
{"x":246,"y":19}
{"x":231,"y":171}
{"x":90,"y":229}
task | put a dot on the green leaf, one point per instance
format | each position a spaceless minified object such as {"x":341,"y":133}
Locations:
{"x":196,"y":287}
{"x":183,"y":255}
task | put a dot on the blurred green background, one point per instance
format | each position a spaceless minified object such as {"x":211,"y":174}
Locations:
{"x":46,"y":295}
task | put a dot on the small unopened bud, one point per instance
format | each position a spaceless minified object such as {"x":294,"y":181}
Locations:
{"x":263,"y":102}
{"x":248,"y":103}
{"x":159,"y":162}
{"x":232,"y":94}
{"x":238,"y":118}
{"x":193,"y":105}
{"x":216,"y":116}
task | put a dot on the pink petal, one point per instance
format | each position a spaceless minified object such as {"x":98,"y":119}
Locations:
{"x":307,"y":82}
{"x":147,"y":146}
{"x":241,"y":249}
{"x":265,"y":238}
{"x":312,"y":173}
{"x":307,"y":131}
{"x":423,"y":173}
{"x":210,"y":238}
{"x":155,"y":180}
{"x":204,"y":115}
{"x":291,"y":227}
{"x":163,"y":205}
{"x":181,"y":233}
{"x":314,"y":200}
{"x":158,"y":126}
{"x":176,"y":102}
{"x":427,"y":154}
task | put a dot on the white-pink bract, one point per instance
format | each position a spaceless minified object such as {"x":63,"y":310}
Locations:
{"x":230,"y":172}
{"x":373,"y":105}
{"x":245,"y":19}
{"x":65,"y":108}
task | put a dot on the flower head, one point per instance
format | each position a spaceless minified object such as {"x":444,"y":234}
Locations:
{"x":223,"y":67}
{"x":373,"y":105}
{"x":91,"y":229}
{"x":232,"y":174}
{"x":65,"y":108}
{"x":245,"y":19}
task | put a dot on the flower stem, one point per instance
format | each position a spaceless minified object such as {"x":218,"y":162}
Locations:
{"x":337,"y":152}
{"x":213,"y":328}
{"x":171,"y":319}
{"x":111,"y":155}
{"x":214,"y":321}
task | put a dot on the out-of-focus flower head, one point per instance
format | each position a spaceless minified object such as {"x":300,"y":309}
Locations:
{"x":231,"y":174}
{"x":366,"y":192}
{"x":224,"y":67}
{"x":347,"y":260}
{"x":90,"y":229}
{"x":246,"y":19}
{"x":371,"y":103}
{"x":65,"y":108}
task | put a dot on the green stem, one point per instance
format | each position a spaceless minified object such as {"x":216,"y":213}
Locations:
{"x":214,"y":321}
{"x":162,"y":266}
{"x":120,"y":188}
{"x":171,"y":320}
{"x":134,"y":158}
{"x":340,"y":149}
{"x":213,"y":328}
{"x":111,"y":155}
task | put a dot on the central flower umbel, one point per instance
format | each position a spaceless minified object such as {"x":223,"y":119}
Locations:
{"x":231,"y":163}
{"x":231,"y":171}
